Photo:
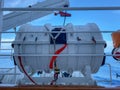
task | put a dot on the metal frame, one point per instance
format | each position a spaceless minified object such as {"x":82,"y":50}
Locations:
{"x":15,"y":73}
{"x":58,"y":9}
{"x":105,"y":31}
{"x":110,"y":71}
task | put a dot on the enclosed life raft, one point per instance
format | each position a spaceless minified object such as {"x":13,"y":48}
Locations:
{"x":76,"y":47}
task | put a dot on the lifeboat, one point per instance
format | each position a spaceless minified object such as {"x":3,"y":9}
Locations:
{"x":59,"y":48}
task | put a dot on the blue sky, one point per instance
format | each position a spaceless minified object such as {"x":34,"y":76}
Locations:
{"x":106,"y":20}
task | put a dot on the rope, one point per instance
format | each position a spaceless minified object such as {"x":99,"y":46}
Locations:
{"x":20,"y":61}
{"x":64,"y":19}
{"x":55,"y":79}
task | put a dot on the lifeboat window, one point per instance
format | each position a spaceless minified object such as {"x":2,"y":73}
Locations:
{"x":61,"y":39}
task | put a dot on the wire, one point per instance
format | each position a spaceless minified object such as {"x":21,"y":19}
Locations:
{"x":64,"y":19}
{"x":20,"y":61}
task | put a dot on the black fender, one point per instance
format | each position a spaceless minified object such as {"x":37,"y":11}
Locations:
{"x":104,"y":58}
{"x":113,"y":54}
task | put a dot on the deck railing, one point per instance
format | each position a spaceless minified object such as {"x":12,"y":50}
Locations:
{"x":55,"y":9}
{"x":11,"y":51}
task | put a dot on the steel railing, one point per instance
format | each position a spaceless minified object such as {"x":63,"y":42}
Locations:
{"x":55,"y":9}
{"x":20,"y":54}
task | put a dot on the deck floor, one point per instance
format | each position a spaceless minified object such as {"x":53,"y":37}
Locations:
{"x":57,"y":88}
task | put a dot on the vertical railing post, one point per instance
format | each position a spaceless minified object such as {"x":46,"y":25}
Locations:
{"x":1,"y":19}
{"x":110,"y":72}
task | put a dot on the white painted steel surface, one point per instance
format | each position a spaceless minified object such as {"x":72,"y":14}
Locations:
{"x":17,"y":18}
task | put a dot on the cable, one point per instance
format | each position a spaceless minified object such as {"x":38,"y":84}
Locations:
{"x":64,"y":19}
{"x":20,"y":61}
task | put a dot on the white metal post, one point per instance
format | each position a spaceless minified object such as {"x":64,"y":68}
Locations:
{"x":1,"y":18}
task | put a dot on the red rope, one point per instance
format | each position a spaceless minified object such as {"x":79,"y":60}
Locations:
{"x":55,"y":79}
{"x":54,"y":57}
{"x":20,"y":61}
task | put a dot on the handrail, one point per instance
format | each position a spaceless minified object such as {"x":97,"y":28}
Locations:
{"x":71,"y":55}
{"x":55,"y":9}
{"x":31,"y":54}
{"x":110,"y":72}
{"x":15,"y":73}
{"x":10,"y":74}
{"x":65,"y":8}
{"x":102,"y":31}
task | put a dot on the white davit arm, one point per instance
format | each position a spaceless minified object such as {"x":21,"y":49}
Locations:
{"x":15,"y":19}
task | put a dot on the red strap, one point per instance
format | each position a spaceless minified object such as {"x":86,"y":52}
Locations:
{"x":20,"y":61}
{"x":54,"y":57}
{"x":63,"y":14}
